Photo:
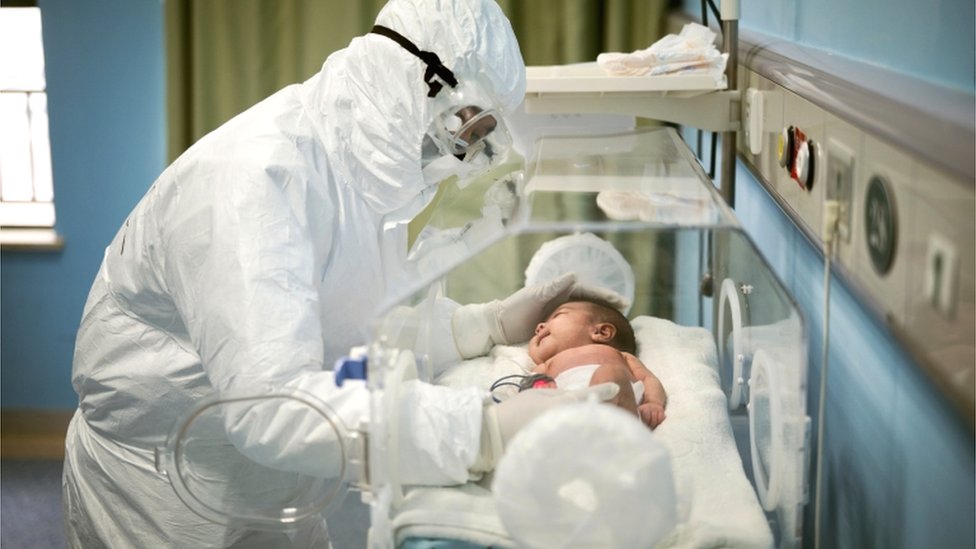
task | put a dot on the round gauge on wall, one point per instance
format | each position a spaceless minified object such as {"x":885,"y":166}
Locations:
{"x":881,"y":224}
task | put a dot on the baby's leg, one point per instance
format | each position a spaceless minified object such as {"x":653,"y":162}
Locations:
{"x":617,"y":372}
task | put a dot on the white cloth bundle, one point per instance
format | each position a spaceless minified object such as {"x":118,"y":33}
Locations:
{"x":692,"y":49}
{"x":670,"y":206}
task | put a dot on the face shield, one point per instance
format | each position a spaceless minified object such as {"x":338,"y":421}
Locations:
{"x":469,"y":127}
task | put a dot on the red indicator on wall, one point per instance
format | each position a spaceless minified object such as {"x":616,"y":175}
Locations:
{"x":796,"y":154}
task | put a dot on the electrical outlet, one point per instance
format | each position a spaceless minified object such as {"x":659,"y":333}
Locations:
{"x":840,"y":184}
{"x":939,"y":284}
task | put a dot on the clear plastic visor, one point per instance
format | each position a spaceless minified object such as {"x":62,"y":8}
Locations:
{"x":470,"y":130}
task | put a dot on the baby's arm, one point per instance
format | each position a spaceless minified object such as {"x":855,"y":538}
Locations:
{"x":616,"y":372}
{"x":651,"y":406}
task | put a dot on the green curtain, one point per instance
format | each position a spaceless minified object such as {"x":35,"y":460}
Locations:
{"x":553,"y":32}
{"x":225,"y":55}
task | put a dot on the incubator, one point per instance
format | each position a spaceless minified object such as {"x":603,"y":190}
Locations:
{"x":629,"y":212}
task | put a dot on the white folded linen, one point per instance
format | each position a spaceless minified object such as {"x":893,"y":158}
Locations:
{"x":692,"y":49}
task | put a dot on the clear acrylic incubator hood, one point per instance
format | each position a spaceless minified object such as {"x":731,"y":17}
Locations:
{"x":631,"y":212}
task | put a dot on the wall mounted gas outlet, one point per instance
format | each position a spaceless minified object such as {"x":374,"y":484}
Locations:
{"x":840,"y":183}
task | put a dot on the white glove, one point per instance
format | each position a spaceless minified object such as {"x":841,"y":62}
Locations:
{"x":501,"y":422}
{"x":480,"y":326}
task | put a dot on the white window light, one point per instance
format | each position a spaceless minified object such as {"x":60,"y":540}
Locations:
{"x":26,"y":184}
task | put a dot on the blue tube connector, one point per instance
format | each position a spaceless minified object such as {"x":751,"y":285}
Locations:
{"x":352,"y":366}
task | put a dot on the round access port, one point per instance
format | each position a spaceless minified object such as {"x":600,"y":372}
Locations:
{"x":732,"y":353}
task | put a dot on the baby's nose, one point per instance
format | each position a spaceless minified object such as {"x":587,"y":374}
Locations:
{"x":539,"y":327}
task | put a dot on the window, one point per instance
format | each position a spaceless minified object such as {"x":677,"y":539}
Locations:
{"x":26,"y":183}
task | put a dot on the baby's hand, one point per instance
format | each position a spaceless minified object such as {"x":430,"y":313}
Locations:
{"x":651,"y":413}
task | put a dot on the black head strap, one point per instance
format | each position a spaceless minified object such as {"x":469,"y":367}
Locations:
{"x":434,"y":65}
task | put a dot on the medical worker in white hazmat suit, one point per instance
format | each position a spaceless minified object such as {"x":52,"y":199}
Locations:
{"x":256,"y":259}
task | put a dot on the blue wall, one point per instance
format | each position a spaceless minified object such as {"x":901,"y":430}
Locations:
{"x":898,"y":460}
{"x":106,"y":91}
{"x":932,"y":40}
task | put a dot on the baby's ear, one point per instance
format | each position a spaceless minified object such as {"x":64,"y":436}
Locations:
{"x":604,"y":332}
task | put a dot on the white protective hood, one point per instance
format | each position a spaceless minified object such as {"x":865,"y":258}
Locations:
{"x":254,"y":262}
{"x":385,"y":113}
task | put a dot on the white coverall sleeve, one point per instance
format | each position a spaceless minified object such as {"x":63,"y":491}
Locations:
{"x":242,"y":277}
{"x":245,"y":277}
{"x":437,"y":447}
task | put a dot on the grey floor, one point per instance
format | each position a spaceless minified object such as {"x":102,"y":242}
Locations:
{"x":30,"y":504}
{"x":31,"y":518}
{"x":349,"y":523}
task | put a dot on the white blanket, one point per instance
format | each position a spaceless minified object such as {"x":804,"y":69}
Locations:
{"x":717,"y":503}
{"x":721,"y":505}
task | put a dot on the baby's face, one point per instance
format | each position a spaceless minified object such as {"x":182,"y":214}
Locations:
{"x":567,"y":327}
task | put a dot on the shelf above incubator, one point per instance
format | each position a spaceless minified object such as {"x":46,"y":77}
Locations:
{"x":697,"y":99}
{"x":590,"y":78}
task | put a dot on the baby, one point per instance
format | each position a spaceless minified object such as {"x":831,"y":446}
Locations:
{"x":584,"y":343}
